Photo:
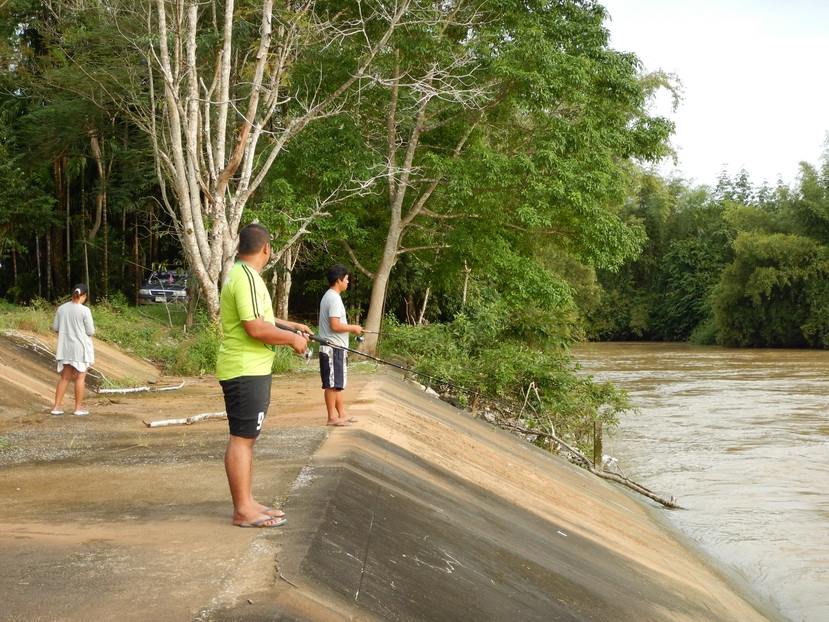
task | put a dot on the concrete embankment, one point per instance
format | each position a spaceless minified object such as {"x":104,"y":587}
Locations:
{"x":422,"y":513}
{"x":416,"y":512}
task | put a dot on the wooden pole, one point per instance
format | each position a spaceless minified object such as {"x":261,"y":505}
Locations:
{"x":39,"y":275}
{"x":597,"y":446}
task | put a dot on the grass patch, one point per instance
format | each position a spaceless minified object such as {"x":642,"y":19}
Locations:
{"x":36,"y":318}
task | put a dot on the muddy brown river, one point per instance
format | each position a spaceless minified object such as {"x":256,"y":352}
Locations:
{"x":741,"y":438}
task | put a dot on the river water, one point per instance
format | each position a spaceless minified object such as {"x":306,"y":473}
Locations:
{"x":741,"y":438}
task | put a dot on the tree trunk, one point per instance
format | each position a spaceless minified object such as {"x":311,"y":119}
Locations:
{"x":282,"y":281}
{"x":100,"y":194}
{"x":466,"y":272}
{"x":68,"y":240}
{"x":57,"y":239}
{"x":59,"y":284}
{"x":136,"y":269}
{"x":85,"y":246}
{"x":86,"y":262}
{"x":39,"y":272}
{"x":379,"y":286}
{"x":423,"y":308}
{"x":49,"y":263}
{"x":105,"y":278}
{"x":123,"y":245}
{"x":14,"y":268}
{"x":193,"y":293}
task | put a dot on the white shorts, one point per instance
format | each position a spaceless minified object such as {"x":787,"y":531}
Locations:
{"x":78,"y":365}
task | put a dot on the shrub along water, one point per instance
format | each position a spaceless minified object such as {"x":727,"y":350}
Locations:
{"x":535,"y":387}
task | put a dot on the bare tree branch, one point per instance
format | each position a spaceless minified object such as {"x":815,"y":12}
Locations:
{"x":356,"y":261}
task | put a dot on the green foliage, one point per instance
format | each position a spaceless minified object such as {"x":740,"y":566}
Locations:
{"x":665,"y":294}
{"x":774,"y":292}
{"x":286,"y":361}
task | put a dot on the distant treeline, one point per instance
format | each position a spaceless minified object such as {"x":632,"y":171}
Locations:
{"x":737,"y":265}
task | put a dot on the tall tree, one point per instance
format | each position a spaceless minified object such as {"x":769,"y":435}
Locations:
{"x":512,"y":112}
{"x":221,"y":89}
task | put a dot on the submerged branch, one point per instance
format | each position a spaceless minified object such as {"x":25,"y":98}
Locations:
{"x":587,"y":464}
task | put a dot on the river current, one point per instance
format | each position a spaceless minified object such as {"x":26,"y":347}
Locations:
{"x":741,"y":438}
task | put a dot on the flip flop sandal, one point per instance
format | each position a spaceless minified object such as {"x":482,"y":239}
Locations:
{"x":261,"y":523}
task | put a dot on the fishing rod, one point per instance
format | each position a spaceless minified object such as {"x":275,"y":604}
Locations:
{"x":327,"y":342}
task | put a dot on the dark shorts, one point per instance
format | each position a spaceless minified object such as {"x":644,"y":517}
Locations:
{"x":246,"y":403}
{"x":333,"y":367}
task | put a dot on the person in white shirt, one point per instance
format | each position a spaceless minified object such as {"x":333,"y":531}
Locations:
{"x":334,"y":327}
{"x":76,"y":353}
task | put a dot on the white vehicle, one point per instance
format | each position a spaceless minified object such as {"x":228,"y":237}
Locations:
{"x":164,"y":287}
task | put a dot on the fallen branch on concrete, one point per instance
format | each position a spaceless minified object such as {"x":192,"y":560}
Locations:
{"x":146,"y":389}
{"x":185,"y":420}
{"x":587,"y":464}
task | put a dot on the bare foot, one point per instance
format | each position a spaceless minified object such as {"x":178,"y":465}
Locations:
{"x":340,"y":423}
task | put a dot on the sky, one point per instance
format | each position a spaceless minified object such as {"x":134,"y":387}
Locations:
{"x":755,"y":93}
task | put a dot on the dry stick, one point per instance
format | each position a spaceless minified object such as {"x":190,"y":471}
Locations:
{"x":143,"y":389}
{"x":668,"y":503}
{"x":185,"y":420}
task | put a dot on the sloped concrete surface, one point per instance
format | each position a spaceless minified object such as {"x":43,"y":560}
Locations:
{"x":421,"y":513}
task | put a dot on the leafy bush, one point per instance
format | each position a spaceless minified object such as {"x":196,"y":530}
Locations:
{"x":479,"y":351}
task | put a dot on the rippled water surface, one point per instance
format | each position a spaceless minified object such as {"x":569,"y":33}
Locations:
{"x":741,"y":438}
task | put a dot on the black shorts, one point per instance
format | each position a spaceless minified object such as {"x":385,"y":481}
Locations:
{"x":246,"y":402}
{"x":333,"y":367}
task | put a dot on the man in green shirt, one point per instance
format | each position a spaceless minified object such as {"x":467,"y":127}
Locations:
{"x":243,"y":368}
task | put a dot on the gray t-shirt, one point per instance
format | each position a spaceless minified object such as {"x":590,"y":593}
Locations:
{"x":73,"y":323}
{"x":332,"y":305}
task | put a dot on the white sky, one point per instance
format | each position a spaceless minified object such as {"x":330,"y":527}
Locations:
{"x":754,"y":78}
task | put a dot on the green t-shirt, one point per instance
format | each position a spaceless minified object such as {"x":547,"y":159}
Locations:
{"x":244,"y":297}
